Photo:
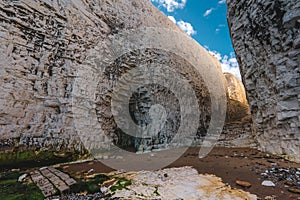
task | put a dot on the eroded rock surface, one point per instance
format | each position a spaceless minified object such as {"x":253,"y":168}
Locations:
{"x":238,"y":106}
{"x":177,"y":183}
{"x":266,"y":39}
{"x":238,"y":130}
{"x":43,"y":46}
{"x":236,"y":89}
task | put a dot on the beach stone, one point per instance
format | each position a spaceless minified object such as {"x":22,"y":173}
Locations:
{"x":243,"y":183}
{"x":294,"y":190}
{"x":268,"y":184}
{"x":22,"y":177}
{"x":273,"y":197}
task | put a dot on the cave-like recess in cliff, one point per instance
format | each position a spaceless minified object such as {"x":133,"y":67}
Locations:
{"x":148,"y":95}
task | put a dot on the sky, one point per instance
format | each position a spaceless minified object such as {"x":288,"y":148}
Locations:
{"x":205,"y":21}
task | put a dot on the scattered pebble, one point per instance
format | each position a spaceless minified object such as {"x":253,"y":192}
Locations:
{"x":243,"y":183}
{"x":97,"y":195}
{"x":274,"y":164}
{"x":268,"y":183}
{"x":294,"y":190}
{"x":22,"y":177}
{"x":90,"y":171}
{"x":277,"y":174}
{"x":289,"y":183}
{"x":103,"y":189}
{"x":273,"y":197}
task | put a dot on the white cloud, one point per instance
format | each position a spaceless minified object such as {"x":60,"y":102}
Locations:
{"x":171,"y":5}
{"x":185,"y":26}
{"x":208,"y":12}
{"x":215,"y":54}
{"x":220,"y":26}
{"x":228,"y":63}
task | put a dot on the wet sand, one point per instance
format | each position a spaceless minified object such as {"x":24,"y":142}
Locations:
{"x":231,"y":164}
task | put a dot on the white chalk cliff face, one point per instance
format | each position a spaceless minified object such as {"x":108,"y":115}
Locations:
{"x":266,"y":40}
{"x":45,"y":43}
{"x":42,"y":45}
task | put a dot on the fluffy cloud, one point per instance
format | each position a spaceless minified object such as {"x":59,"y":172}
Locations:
{"x":208,"y":12}
{"x":228,"y":63}
{"x":171,"y":5}
{"x":222,"y":2}
{"x":185,"y":26}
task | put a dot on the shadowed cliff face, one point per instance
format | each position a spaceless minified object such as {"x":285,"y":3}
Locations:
{"x":266,"y":40}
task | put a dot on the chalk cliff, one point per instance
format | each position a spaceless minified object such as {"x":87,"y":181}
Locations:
{"x":266,"y":39}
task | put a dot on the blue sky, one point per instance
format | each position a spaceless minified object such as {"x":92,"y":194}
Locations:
{"x":205,"y":21}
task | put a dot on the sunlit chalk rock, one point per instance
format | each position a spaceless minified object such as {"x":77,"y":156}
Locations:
{"x":178,"y":183}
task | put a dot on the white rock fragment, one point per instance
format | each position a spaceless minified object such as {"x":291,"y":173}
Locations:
{"x":268,"y":183}
{"x":104,"y":189}
{"x":90,"y":171}
{"x":22,"y":177}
